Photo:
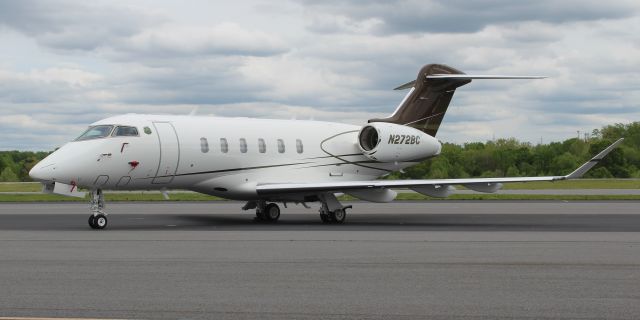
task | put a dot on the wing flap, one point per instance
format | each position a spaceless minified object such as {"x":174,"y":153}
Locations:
{"x":277,"y":188}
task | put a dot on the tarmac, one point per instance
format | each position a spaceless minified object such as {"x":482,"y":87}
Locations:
{"x":402,"y":260}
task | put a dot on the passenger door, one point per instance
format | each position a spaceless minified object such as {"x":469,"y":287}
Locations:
{"x":169,"y":152}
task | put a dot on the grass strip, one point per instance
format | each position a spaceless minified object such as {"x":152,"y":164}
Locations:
{"x":108,"y":197}
{"x":20,"y":187}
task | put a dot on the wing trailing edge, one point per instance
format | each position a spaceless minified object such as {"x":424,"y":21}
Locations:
{"x":288,"y":188}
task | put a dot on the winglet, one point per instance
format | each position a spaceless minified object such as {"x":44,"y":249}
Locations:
{"x":589,"y":164}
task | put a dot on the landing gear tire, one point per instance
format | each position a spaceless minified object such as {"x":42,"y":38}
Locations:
{"x":325,"y":218}
{"x":272,"y":212}
{"x":260,"y":216}
{"x":98,"y":221}
{"x":338,"y":215}
{"x":92,"y":222}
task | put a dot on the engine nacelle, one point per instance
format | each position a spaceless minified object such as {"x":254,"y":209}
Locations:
{"x":388,"y":142}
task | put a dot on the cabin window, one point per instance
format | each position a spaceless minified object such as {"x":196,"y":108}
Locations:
{"x":299,"y":146}
{"x":280,"y":146}
{"x":95,"y":132}
{"x":204,"y":145}
{"x":224,"y":146}
{"x":147,"y":130}
{"x":262,"y":146}
{"x":243,"y":145}
{"x":124,"y":131}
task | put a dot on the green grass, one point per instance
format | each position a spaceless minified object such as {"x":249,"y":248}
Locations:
{"x":20,"y":187}
{"x":41,"y":197}
{"x":417,"y":196}
{"x":37,"y":197}
{"x":571,"y":184}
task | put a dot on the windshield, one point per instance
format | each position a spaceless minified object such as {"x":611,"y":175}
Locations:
{"x":95,"y":132}
{"x":121,"y":131}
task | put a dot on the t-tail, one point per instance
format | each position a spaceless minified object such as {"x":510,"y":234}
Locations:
{"x":425,"y":105}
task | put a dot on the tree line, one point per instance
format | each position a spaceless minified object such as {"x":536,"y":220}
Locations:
{"x":15,"y":165}
{"x":512,"y":158}
{"x":499,"y":158}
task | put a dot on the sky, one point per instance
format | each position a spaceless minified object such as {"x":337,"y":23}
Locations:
{"x":66,"y":64}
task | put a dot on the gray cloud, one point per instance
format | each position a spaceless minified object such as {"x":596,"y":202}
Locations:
{"x":402,"y":16}
{"x":73,"y":26}
{"x":72,"y":63}
{"x":128,"y":33}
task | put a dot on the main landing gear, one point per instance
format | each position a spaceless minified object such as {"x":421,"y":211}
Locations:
{"x":98,"y":218}
{"x":267,"y":212}
{"x":331,"y":210}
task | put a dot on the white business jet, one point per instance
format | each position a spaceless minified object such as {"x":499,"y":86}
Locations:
{"x":265,"y":162}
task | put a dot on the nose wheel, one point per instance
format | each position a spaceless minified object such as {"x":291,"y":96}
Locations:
{"x":98,"y":221}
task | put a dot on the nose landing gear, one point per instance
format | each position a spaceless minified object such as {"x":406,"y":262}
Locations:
{"x":98,"y":218}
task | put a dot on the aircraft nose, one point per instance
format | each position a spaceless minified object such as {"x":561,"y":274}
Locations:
{"x":42,"y":171}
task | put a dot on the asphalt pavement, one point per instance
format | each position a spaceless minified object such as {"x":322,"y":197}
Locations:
{"x":403,"y":260}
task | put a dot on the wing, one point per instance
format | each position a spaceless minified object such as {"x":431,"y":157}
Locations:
{"x":480,"y":184}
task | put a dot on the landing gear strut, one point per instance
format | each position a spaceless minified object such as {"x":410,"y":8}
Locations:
{"x":98,"y":218}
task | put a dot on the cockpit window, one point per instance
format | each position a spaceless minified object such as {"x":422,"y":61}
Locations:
{"x":123,"y":131}
{"x":95,"y":132}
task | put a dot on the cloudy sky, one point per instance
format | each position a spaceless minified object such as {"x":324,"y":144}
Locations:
{"x":65,"y":64}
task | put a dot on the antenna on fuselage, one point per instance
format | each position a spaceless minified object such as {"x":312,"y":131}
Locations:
{"x":194,"y":111}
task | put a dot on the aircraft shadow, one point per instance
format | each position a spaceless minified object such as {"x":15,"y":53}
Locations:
{"x":355,"y":222}
{"x":411,"y":222}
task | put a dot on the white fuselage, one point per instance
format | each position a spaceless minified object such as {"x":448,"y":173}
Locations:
{"x":187,"y":152}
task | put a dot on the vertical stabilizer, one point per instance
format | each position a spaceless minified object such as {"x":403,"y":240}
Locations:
{"x":426,"y":104}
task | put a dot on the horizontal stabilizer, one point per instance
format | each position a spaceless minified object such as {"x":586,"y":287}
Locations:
{"x":407,"y":85}
{"x":412,"y":83}
{"x":479,"y":76}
